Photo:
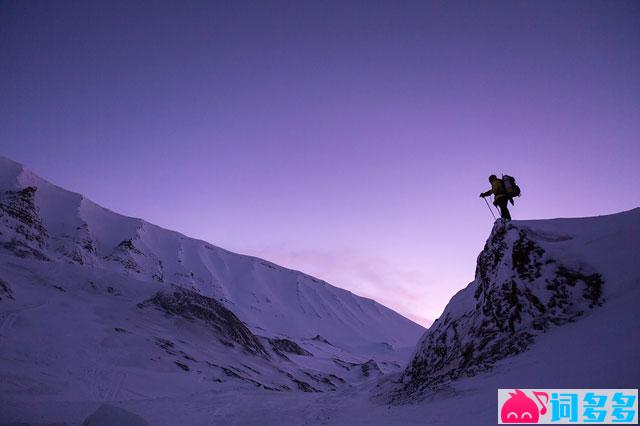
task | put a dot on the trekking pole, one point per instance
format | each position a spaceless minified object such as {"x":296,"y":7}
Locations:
{"x":485,"y":200}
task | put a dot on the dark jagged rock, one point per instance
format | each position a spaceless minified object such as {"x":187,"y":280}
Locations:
{"x":130,"y":257}
{"x":185,"y":367}
{"x":128,"y":245}
{"x":286,"y":345}
{"x":167,"y":345}
{"x":344,"y":364}
{"x":21,"y":249}
{"x":370,"y":367}
{"x":20,"y":205}
{"x":159,"y":275}
{"x":253,"y":370}
{"x":321,"y":380}
{"x":193,"y":306}
{"x":319,"y":338}
{"x":366,"y":368}
{"x":237,"y":373}
{"x":304,"y":386}
{"x":113,"y":291}
{"x":339,"y":379}
{"x":79,"y":247}
{"x":518,"y":292}
{"x":567,"y":278}
{"x":5,"y":290}
{"x":19,"y":213}
{"x":525,"y":257}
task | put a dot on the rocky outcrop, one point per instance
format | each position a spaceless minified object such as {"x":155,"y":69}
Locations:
{"x":195,"y":307}
{"x":127,"y":254}
{"x":289,"y":346}
{"x":370,"y":368}
{"x":5,"y":291}
{"x":78,"y":247}
{"x":363,"y":370}
{"x":319,"y":338}
{"x":519,"y":291}
{"x":23,"y":232}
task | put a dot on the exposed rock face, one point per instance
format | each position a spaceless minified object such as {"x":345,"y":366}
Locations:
{"x":79,"y":247}
{"x":370,"y":367}
{"x":319,"y":338}
{"x":21,"y":206}
{"x":519,"y":291}
{"x":126,"y":254}
{"x":5,"y":290}
{"x":26,"y":235}
{"x":193,"y":306}
{"x":286,"y":345}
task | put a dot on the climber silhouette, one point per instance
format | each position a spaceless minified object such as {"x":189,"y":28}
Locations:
{"x":500,"y":197}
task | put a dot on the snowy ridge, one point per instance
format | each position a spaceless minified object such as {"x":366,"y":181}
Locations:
{"x":99,"y":307}
{"x":531,"y":277}
{"x":65,"y":226}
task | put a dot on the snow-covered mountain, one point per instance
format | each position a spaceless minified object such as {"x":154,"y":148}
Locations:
{"x":534,"y":278}
{"x":97,"y":305}
{"x":99,"y":308}
{"x":62,"y":226}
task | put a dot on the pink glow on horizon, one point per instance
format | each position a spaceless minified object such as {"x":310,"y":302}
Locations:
{"x":348,"y":140}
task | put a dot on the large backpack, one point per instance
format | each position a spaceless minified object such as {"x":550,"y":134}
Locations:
{"x":510,"y":187}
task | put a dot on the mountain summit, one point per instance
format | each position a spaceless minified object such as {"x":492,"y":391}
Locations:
{"x":533,"y":279}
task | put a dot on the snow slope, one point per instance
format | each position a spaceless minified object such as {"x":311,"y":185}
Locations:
{"x":97,"y":307}
{"x":105,"y":324}
{"x":532,"y":277}
{"x":270,"y":299}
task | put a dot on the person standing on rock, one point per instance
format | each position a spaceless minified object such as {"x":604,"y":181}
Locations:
{"x":500,"y":197}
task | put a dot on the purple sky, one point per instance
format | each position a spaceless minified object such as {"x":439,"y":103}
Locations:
{"x":346,"y":139}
